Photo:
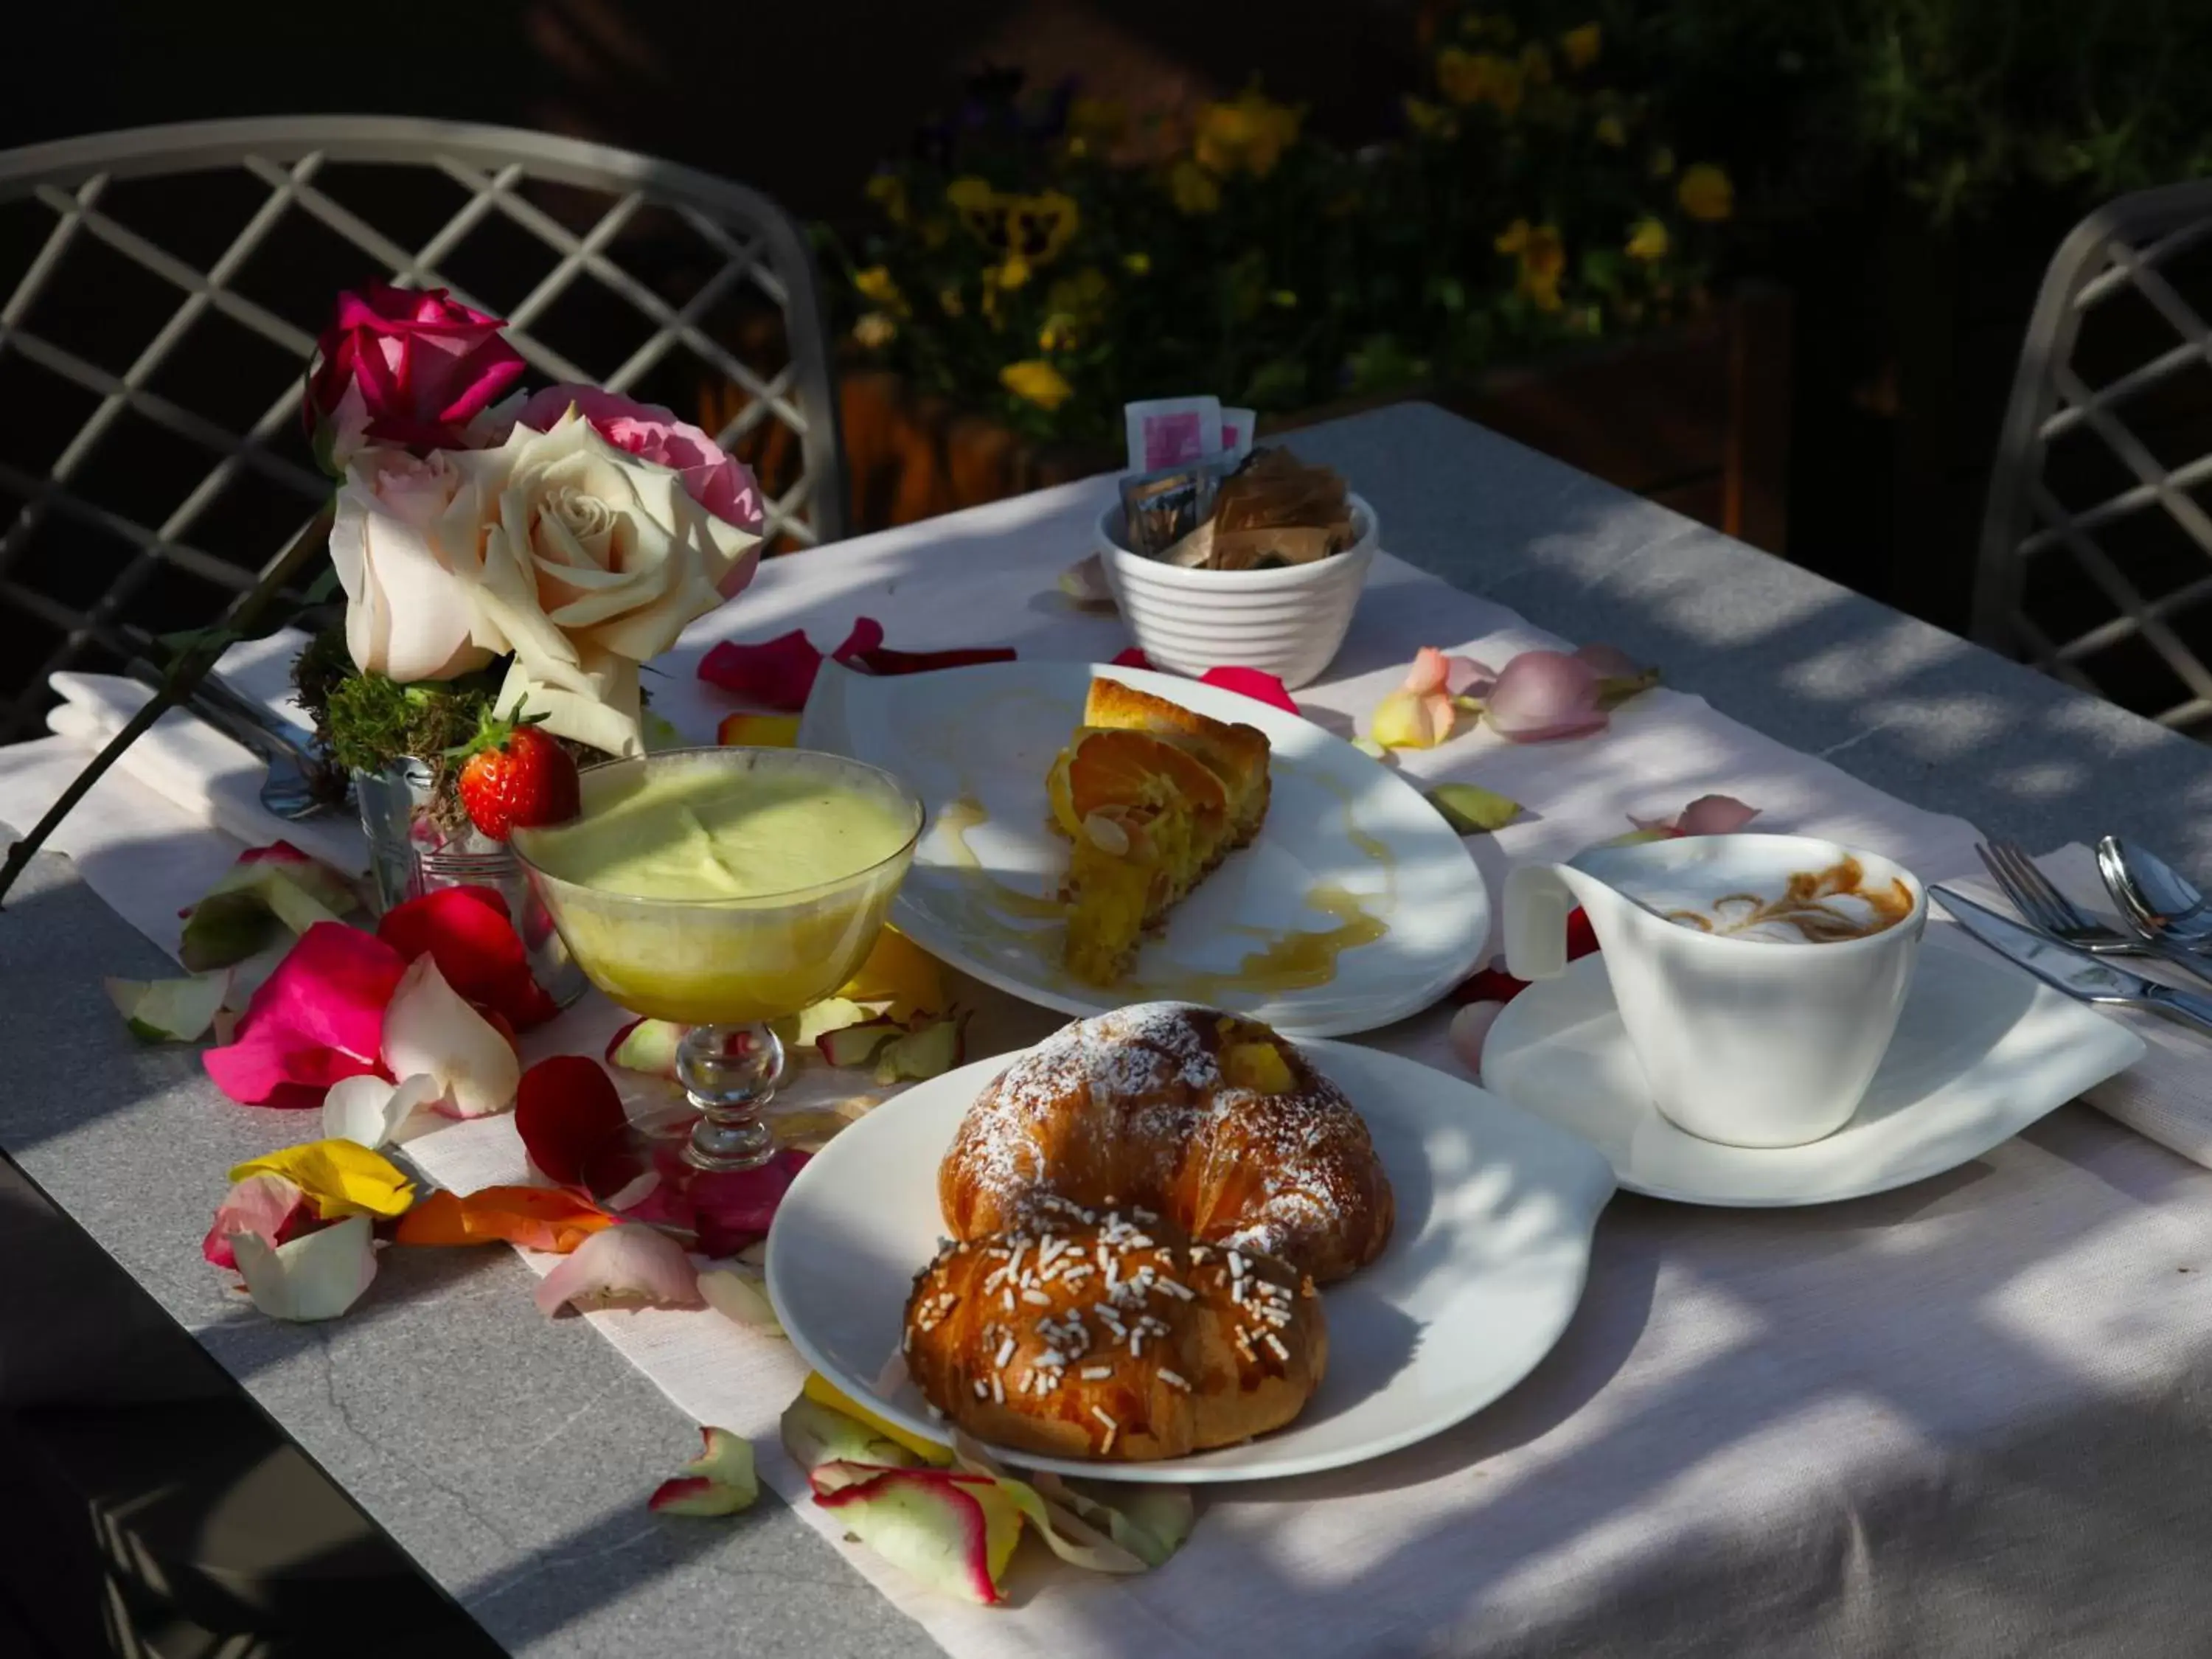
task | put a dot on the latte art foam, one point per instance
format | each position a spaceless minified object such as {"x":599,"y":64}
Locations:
{"x":1821,"y":907}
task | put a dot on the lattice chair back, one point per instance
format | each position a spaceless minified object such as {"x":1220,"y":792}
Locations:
{"x":164,"y":287}
{"x":2096,"y":557}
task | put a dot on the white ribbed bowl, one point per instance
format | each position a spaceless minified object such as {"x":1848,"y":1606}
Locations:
{"x":1286,"y":623}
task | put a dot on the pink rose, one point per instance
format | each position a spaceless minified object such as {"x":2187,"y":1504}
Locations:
{"x":415,"y":368}
{"x":724,"y":486}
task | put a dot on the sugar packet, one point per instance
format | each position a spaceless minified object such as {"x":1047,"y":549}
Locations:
{"x":1162,"y":507}
{"x":1238,"y":426}
{"x":1170,"y":431}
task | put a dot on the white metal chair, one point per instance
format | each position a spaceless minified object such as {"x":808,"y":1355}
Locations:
{"x":164,"y":287}
{"x":2096,"y":554}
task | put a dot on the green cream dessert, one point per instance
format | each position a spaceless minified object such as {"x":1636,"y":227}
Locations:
{"x":705,"y":833}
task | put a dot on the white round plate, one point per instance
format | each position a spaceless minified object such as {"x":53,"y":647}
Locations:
{"x":1495,"y":1211}
{"x":976,"y":744}
{"x":1981,"y":1051}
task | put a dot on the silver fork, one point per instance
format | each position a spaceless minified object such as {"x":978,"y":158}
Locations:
{"x":2050,"y":911}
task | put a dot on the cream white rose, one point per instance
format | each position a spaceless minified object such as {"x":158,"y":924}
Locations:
{"x":408,"y":612}
{"x":588,"y":561}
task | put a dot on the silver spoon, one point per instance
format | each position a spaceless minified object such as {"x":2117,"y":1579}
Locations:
{"x":2161,"y":903}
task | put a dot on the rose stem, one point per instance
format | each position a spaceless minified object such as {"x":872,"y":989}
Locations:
{"x":190,"y":665}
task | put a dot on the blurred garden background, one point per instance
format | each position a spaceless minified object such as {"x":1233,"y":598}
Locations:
{"x":1766,"y":261}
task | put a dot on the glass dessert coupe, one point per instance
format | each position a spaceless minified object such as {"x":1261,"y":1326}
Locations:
{"x":721,"y":889}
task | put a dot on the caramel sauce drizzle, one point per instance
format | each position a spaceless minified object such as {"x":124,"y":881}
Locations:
{"x":1805,"y":905}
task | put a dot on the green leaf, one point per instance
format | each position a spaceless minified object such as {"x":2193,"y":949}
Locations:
{"x":1470,"y":810}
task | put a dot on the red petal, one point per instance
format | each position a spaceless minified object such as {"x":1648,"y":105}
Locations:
{"x":1133,"y":658}
{"x":565,"y":1108}
{"x":868,"y":635}
{"x":735,"y":1207}
{"x":865,"y":650}
{"x":468,"y":934}
{"x":1251,"y":682}
{"x":777,"y":672}
{"x":1582,"y":938}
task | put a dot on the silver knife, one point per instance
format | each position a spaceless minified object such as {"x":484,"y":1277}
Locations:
{"x":2081,"y":975}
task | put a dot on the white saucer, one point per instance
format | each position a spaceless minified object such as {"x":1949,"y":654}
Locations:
{"x":1981,"y":1051}
{"x":1482,"y":1272}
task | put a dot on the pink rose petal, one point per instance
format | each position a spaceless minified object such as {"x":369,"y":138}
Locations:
{"x":1541,"y":696}
{"x":1430,"y":672}
{"x":1464,"y":677}
{"x":319,"y":1017}
{"x":1714,"y":815}
{"x":270,"y":1206}
{"x":1253,"y":683}
{"x":724,"y":486}
{"x":954,"y":1532}
{"x":733,"y":1207}
{"x":1610,"y":661}
{"x":777,"y":673}
{"x":628,"y":1264}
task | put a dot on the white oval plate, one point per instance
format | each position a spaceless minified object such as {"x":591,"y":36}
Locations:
{"x":976,"y":895}
{"x":1981,"y":1051}
{"x":1495,"y":1211}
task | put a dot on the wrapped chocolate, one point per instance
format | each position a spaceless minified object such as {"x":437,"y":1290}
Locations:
{"x":1273,"y":510}
{"x":1163,"y":507}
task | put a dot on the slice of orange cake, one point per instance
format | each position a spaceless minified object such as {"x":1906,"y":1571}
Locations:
{"x":1152,"y":796}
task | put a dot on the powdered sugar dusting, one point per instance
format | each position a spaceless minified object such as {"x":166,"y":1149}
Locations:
{"x":1292,"y":1174}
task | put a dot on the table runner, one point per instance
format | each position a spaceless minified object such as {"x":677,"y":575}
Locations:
{"x":1263,"y":1564}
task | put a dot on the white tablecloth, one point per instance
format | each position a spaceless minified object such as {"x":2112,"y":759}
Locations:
{"x":1746,"y":1400}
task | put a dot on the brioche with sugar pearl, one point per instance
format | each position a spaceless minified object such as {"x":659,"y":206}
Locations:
{"x":1112,"y":1336}
{"x":1209,"y":1120}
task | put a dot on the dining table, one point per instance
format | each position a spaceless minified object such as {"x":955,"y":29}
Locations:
{"x":1970,"y":1416}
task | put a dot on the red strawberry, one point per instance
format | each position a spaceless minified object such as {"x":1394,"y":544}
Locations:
{"x":516,"y":776}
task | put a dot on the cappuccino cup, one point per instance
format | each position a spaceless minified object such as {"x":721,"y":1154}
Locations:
{"x":1760,"y":978}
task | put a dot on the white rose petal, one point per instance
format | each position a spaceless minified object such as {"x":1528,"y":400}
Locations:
{"x":407,"y":609}
{"x":586,"y":561}
{"x":318,"y":1275}
{"x":429,"y":1030}
{"x":368,"y":1111}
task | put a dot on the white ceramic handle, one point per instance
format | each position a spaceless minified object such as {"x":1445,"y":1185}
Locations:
{"x":1537,"y":904}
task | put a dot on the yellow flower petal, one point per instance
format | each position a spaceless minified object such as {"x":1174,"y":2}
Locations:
{"x":1580,"y":47}
{"x":1036,"y":382}
{"x":822,"y":1392}
{"x":900,"y":972}
{"x":1648,"y":241}
{"x":1705,"y":193}
{"x":1137,"y":264}
{"x":1193,"y":189}
{"x":1513,"y":238}
{"x":340,"y":1178}
{"x":758,"y":731}
{"x":1610,"y":132}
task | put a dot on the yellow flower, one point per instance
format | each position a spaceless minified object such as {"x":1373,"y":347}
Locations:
{"x":982,"y":210}
{"x":1058,"y":334}
{"x":1705,"y":193}
{"x":1193,"y":188}
{"x":1535,"y":65}
{"x":1580,"y":47}
{"x":1097,"y":121}
{"x":875,"y":330}
{"x":888,"y":192}
{"x":1662,"y":162}
{"x":1283,"y":300}
{"x":340,"y":1178}
{"x":1014,"y":274}
{"x":1036,"y":382}
{"x":1610,"y":132}
{"x":1137,"y":264}
{"x":1082,"y":297}
{"x":949,"y":303}
{"x":1543,"y":257}
{"x":1039,"y":227}
{"x":1247,"y":136}
{"x":1479,"y":77}
{"x":1648,"y":241}
{"x":875,"y":285}
{"x":1431,"y":120}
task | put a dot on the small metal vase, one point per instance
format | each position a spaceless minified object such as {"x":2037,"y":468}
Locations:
{"x":409,"y":855}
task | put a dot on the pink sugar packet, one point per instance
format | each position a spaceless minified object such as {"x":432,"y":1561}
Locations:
{"x":1238,"y":426}
{"x":1169,"y":431}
